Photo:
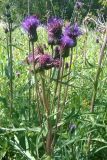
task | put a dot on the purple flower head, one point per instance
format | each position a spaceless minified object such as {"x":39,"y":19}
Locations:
{"x":54,"y":30}
{"x":55,"y":26}
{"x":45,"y":61}
{"x":42,"y":61}
{"x":67,"y":42}
{"x":73,"y":31}
{"x":30,"y":25}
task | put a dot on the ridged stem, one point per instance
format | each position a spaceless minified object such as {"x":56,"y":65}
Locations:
{"x":11,"y":67}
{"x":37,"y":93}
{"x":29,"y":82}
{"x":47,"y":109}
{"x":98,"y":73}
{"x":69,"y":71}
{"x":96,"y":84}
{"x":59,"y":91}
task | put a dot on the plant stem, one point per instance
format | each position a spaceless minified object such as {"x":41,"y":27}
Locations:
{"x":28,"y":7}
{"x":59,"y":91}
{"x":36,"y":83}
{"x":60,"y":75}
{"x":52,"y":7}
{"x":11,"y":68}
{"x":47,"y":108}
{"x":52,"y":56}
{"x":38,"y":96}
{"x":96,"y":84}
{"x":66,"y":90}
{"x":98,"y":73}
{"x":29,"y":81}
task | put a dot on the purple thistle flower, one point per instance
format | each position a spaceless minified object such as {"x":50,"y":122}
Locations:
{"x":54,"y":30}
{"x":30,"y":25}
{"x":67,"y":42}
{"x":55,"y":26}
{"x":42,"y":61}
{"x":45,"y":59}
{"x":73,"y":31}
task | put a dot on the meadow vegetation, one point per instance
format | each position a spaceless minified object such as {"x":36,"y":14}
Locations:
{"x":53,"y":101}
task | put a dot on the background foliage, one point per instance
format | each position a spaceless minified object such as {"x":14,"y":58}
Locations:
{"x":45,"y":8}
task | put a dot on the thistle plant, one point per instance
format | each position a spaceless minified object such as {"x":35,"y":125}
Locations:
{"x":61,"y":40}
{"x":57,"y":97}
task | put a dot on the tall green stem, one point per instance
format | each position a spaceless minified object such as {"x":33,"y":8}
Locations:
{"x":66,"y":90}
{"x":59,"y":91}
{"x":47,"y":108}
{"x":28,"y":7}
{"x":96,"y":84}
{"x":98,"y":73}
{"x":29,"y":82}
{"x":58,"y":115}
{"x":11,"y":67}
{"x":36,"y":89}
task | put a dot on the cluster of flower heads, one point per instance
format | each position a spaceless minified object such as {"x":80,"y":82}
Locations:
{"x":62,"y":37}
{"x":42,"y":60}
{"x":65,"y":37}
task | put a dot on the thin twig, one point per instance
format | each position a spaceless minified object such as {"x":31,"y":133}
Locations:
{"x":98,"y":73}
